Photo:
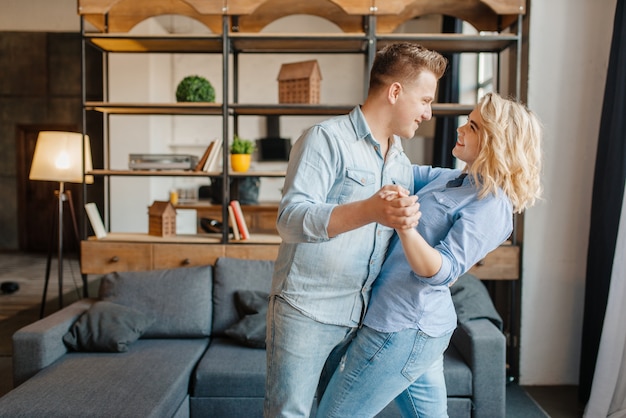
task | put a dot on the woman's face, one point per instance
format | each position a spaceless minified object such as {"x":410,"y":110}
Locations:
{"x":467,"y":142}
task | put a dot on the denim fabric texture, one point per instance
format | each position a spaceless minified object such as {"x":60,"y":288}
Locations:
{"x":378,"y":367}
{"x":297,"y":348}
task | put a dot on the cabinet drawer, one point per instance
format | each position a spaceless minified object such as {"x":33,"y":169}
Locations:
{"x":105,"y":257}
{"x":252,"y":251}
{"x":166,"y":256}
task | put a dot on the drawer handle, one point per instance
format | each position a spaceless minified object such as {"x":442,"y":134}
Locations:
{"x":114,"y":259}
{"x":186,"y":262}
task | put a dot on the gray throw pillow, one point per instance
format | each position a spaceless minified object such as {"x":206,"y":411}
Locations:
{"x":107,"y":327}
{"x":179,"y":299}
{"x":235,"y":275}
{"x":250,"y":329}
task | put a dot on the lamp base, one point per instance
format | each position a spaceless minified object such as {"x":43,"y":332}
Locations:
{"x":61,"y":196}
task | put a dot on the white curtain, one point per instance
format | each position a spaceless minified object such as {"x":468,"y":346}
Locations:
{"x":608,"y":390}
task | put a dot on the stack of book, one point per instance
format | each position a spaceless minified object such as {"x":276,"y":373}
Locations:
{"x":211,"y":160}
{"x":238,"y":222}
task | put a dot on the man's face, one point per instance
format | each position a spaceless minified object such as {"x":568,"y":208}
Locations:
{"x":413,"y":104}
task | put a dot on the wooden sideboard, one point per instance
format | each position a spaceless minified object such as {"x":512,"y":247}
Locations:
{"x":136,"y":252}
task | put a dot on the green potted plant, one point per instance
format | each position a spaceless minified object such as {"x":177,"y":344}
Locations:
{"x":240,"y":154}
{"x":195,"y":88}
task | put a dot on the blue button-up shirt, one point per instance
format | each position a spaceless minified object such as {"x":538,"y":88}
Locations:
{"x":463,"y":229}
{"x":335,"y":162}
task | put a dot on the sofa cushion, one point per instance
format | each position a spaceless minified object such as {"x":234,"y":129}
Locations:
{"x":178,"y":299}
{"x":250,"y":329}
{"x":230,"y":370}
{"x":458,"y":375}
{"x":107,"y":326}
{"x":232,"y":275}
{"x":151,"y":379}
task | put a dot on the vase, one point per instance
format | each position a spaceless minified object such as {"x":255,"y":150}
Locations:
{"x":240,"y":162}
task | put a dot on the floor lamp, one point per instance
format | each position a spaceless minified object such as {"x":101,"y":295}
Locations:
{"x":58,"y":157}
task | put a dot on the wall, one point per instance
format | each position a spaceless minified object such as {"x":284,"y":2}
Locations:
{"x":567,"y":71}
{"x":566,"y":83}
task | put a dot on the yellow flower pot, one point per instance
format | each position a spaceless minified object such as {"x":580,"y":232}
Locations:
{"x":240,"y":162}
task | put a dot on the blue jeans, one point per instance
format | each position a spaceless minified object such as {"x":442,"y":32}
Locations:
{"x":297,"y":348}
{"x":380,"y":367}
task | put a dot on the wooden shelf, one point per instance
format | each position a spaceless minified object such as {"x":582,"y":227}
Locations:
{"x":154,"y":173}
{"x":298,"y":43}
{"x":442,"y":109}
{"x":185,"y":239}
{"x":177,"y":239}
{"x":295,"y":42}
{"x":248,"y":109}
{"x":289,"y":109}
{"x":184,"y":173}
{"x":452,"y":43}
{"x":258,"y":173}
{"x":171,"y":43}
{"x":181,"y":108}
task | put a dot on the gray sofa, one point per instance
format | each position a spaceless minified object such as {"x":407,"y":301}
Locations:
{"x":182,"y":342}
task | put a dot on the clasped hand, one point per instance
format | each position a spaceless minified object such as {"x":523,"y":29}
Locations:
{"x":397,"y":208}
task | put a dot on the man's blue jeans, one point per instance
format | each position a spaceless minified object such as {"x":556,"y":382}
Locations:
{"x":297,"y":348}
{"x":379,"y":367}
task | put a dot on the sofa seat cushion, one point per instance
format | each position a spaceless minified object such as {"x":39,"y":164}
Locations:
{"x":230,"y":370}
{"x":179,"y":299}
{"x":457,"y":373}
{"x":151,"y":379}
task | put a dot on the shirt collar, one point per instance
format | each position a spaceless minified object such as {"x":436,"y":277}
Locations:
{"x":360,"y":124}
{"x":363,"y":131}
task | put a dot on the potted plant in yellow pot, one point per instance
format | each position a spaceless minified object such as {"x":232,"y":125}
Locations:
{"x":241,"y":153}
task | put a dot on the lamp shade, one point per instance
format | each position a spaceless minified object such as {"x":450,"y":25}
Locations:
{"x":58,"y":157}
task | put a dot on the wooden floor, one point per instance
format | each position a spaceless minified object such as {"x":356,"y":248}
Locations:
{"x":29,"y":271}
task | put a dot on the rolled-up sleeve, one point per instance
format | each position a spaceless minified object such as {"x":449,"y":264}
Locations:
{"x":304,"y":212}
{"x":479,"y":229}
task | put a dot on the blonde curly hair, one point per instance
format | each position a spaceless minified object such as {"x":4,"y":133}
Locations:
{"x":510,"y":151}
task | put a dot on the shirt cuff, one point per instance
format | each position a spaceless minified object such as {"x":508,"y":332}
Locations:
{"x":315,"y":223}
{"x":442,"y":277}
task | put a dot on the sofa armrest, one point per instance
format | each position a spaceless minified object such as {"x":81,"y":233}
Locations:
{"x":39,"y":344}
{"x":483,"y":346}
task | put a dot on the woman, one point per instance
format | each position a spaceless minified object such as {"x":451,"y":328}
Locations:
{"x":398,"y":353}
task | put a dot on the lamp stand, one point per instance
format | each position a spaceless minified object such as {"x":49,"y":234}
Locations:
{"x":61,"y":196}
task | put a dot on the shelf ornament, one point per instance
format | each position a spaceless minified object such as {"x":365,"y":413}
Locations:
{"x":195,"y":88}
{"x":240,"y":154}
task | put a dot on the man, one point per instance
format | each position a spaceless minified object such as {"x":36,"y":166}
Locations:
{"x":335,"y":222}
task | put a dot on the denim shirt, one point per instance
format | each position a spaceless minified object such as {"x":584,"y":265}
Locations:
{"x":463,"y":229}
{"x":335,"y":162}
